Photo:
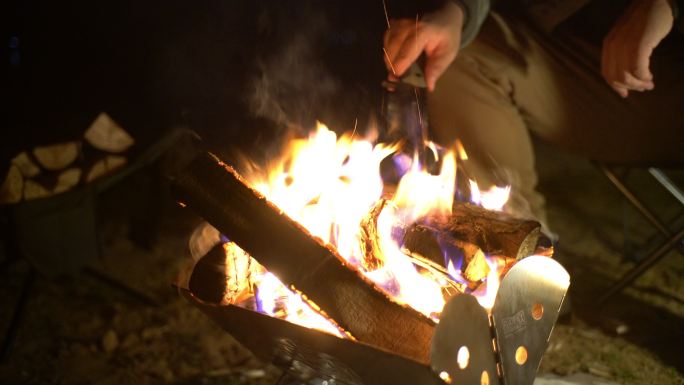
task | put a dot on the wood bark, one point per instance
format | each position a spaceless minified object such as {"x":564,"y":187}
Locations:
{"x":496,"y":233}
{"x":285,"y":248}
{"x":471,"y":233}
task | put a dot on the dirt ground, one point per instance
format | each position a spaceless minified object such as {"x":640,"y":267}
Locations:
{"x":81,"y":330}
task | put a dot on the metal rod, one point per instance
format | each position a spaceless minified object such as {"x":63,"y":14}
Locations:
{"x":642,"y":266}
{"x":666,"y":182}
{"x":617,"y":182}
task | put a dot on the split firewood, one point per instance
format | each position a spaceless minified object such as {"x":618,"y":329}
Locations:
{"x":476,"y":268}
{"x":27,"y":167}
{"x":34,"y":190}
{"x":496,"y":233}
{"x":67,"y":179}
{"x":12,"y":187}
{"x":239,"y":270}
{"x":105,"y":166}
{"x":370,"y":239}
{"x":437,"y":245}
{"x":373,"y":257}
{"x":222,"y":276}
{"x":298,"y":259}
{"x":56,"y":156}
{"x":422,"y":240}
{"x":203,"y":239}
{"x":106,"y":135}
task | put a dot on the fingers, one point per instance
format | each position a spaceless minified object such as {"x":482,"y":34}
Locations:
{"x":626,"y":53}
{"x":409,"y":52}
{"x":437,"y":62}
{"x":625,"y":68}
{"x":438,"y":35}
{"x":394,"y":40}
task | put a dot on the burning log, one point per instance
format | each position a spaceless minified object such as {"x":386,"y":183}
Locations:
{"x":222,"y":276}
{"x":494,"y":232}
{"x":472,"y":230}
{"x":432,"y":244}
{"x":467,"y":236}
{"x":286,"y":249}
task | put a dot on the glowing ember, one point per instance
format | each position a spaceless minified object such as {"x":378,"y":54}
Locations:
{"x":329,"y":185}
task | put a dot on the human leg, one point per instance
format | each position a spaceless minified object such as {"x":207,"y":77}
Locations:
{"x":472,"y":102}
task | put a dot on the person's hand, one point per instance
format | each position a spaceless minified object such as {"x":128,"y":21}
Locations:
{"x":625,"y":61}
{"x":437,"y":33}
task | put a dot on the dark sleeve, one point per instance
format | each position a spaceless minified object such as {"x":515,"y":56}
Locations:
{"x":474,"y":14}
{"x":677,"y":10}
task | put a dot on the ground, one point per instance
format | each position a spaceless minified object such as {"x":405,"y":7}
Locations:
{"x":80,"y":330}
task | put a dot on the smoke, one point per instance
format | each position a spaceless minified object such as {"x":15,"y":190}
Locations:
{"x":291,"y":82}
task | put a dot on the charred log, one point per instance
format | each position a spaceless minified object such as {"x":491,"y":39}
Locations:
{"x":285,"y":248}
{"x":208,"y":279}
{"x":434,"y":244}
{"x":496,"y":233}
{"x":470,"y":233}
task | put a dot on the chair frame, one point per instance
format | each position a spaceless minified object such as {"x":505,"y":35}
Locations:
{"x":674,"y":239}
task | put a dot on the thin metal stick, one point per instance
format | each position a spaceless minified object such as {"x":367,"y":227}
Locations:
{"x":420,"y":116}
{"x":667,"y":183}
{"x":389,"y":61}
{"x":384,"y":6}
{"x":356,"y":122}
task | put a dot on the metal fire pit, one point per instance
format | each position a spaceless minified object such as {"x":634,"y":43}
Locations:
{"x":469,"y":346}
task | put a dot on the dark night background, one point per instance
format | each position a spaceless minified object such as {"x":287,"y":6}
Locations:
{"x":240,"y":73}
{"x":156,"y":64}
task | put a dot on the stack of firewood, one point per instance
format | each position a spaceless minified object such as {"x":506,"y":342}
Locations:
{"x":48,"y":170}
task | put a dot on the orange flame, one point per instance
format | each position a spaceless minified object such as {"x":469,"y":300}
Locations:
{"x":329,"y":184}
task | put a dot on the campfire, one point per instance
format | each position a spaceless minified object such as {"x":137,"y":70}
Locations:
{"x":323,"y":256}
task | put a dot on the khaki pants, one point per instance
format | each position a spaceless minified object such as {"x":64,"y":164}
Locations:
{"x":513,"y":80}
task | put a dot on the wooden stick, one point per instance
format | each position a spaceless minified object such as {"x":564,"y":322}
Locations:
{"x":285,"y":248}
